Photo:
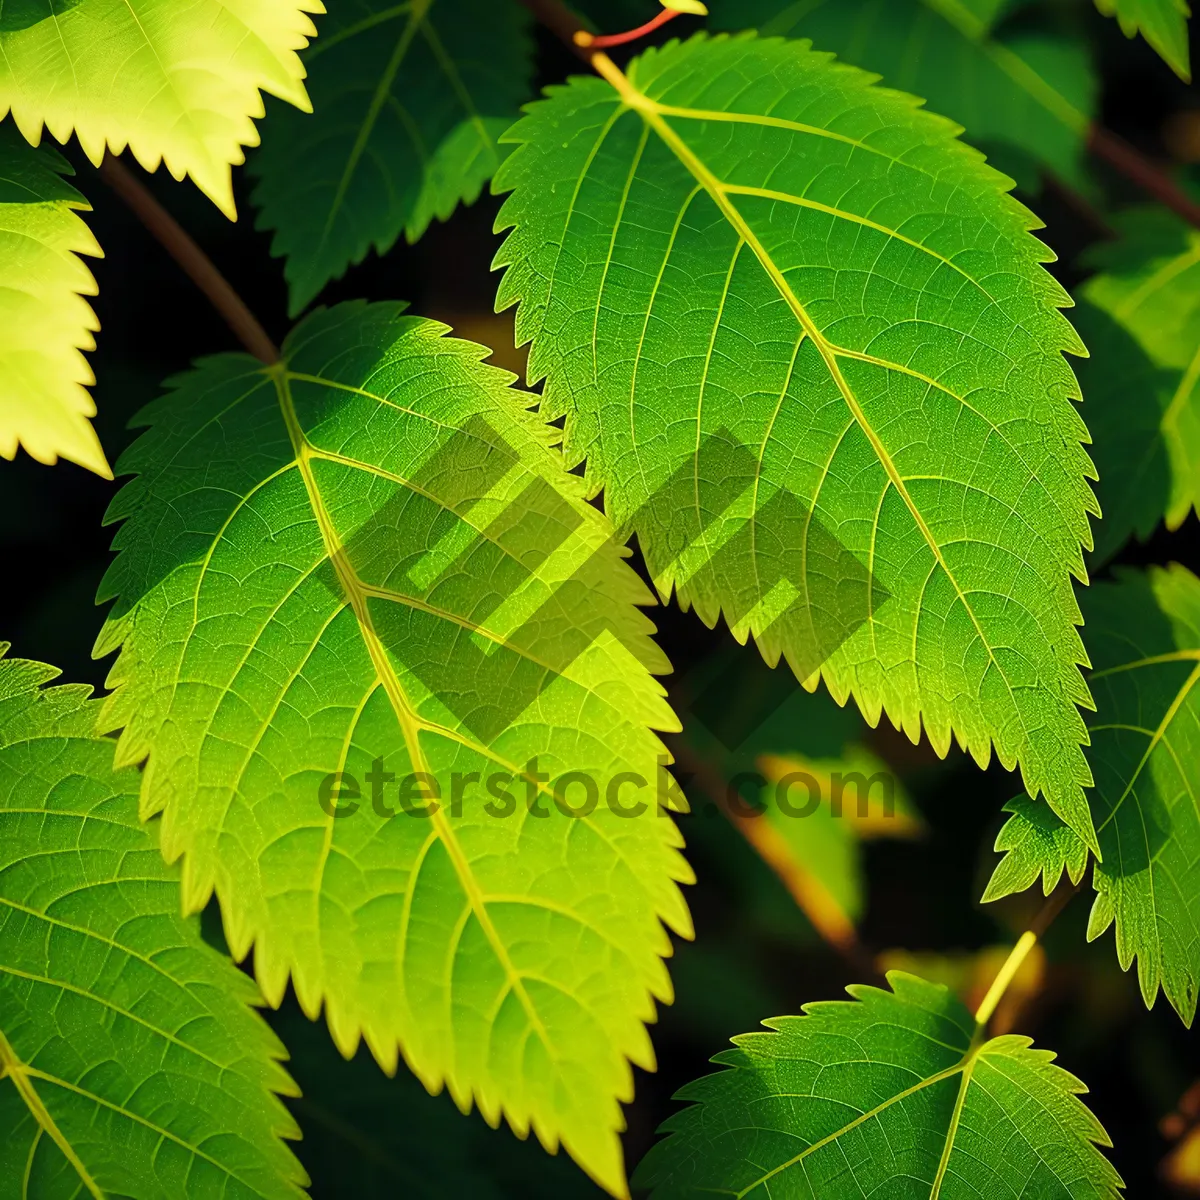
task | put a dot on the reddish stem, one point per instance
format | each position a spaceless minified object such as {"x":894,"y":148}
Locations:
{"x":621,"y":39}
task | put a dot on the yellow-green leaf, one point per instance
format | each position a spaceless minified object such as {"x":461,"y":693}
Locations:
{"x":45,"y":322}
{"x":176,"y":83}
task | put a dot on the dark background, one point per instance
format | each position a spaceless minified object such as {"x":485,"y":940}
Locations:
{"x":365,"y":1134}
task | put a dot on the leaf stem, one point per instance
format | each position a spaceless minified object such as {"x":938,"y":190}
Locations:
{"x":620,"y":39}
{"x":1135,"y":166}
{"x":1012,"y":964}
{"x":1102,"y":143}
{"x":1054,"y":904}
{"x":194,"y":262}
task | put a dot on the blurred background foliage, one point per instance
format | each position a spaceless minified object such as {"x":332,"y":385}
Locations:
{"x":786,"y":911}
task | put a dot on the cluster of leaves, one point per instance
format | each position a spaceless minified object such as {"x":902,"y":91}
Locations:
{"x":802,"y":338}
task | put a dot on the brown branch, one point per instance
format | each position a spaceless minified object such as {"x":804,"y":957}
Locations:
{"x":563,"y":23}
{"x":1134,"y":165}
{"x":1053,"y":905}
{"x":195,"y":263}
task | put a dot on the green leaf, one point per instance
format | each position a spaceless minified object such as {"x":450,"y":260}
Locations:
{"x":801,"y":334}
{"x":895,"y":1093}
{"x":131,"y":1061}
{"x":176,"y":83}
{"x":368,"y":559}
{"x":44,"y":320}
{"x":1163,"y":23}
{"x":1035,"y":842}
{"x":409,"y":102}
{"x":1141,"y":317}
{"x":1036,"y":91}
{"x":373,"y":1138}
{"x":1144,"y":639}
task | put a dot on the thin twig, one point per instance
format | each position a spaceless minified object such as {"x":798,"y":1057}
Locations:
{"x":195,"y":263}
{"x":563,"y":23}
{"x":1103,"y":143}
{"x":1134,"y":165}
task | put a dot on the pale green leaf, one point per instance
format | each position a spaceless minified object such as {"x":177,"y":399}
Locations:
{"x":45,"y":322}
{"x":1141,"y":317}
{"x":895,"y":1093}
{"x":806,"y":344}
{"x":1035,"y":91}
{"x":131,"y":1061}
{"x":1163,"y":23}
{"x":1143,"y":634}
{"x":177,"y":83}
{"x":369,"y":552}
{"x":409,"y":102}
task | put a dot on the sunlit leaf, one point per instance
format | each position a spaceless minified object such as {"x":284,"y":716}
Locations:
{"x":44,"y":321}
{"x":361,"y":565}
{"x":131,"y":1061}
{"x":806,"y":345}
{"x":177,"y":83}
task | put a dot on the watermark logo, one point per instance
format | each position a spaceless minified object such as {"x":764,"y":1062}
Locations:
{"x":442,"y":556}
{"x":793,"y":792}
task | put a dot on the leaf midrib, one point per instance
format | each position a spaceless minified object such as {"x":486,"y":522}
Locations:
{"x":649,"y":111}
{"x":406,"y":715}
{"x":963,"y":1067}
{"x":12,"y":1067}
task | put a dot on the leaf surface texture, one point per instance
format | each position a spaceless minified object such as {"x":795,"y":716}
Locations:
{"x":369,"y":555}
{"x":806,"y":344}
{"x":409,"y":102}
{"x":1144,"y":638}
{"x":894,"y":1093}
{"x":131,"y":1060}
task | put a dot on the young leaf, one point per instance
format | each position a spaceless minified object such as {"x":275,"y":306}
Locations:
{"x":176,"y":83}
{"x":44,"y":320}
{"x":1141,"y":314}
{"x":409,"y":102}
{"x":1144,"y":639}
{"x":131,"y":1062}
{"x":1034,"y":91}
{"x":894,"y":1093}
{"x":1163,"y":23}
{"x":361,"y":565}
{"x":801,"y":334}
